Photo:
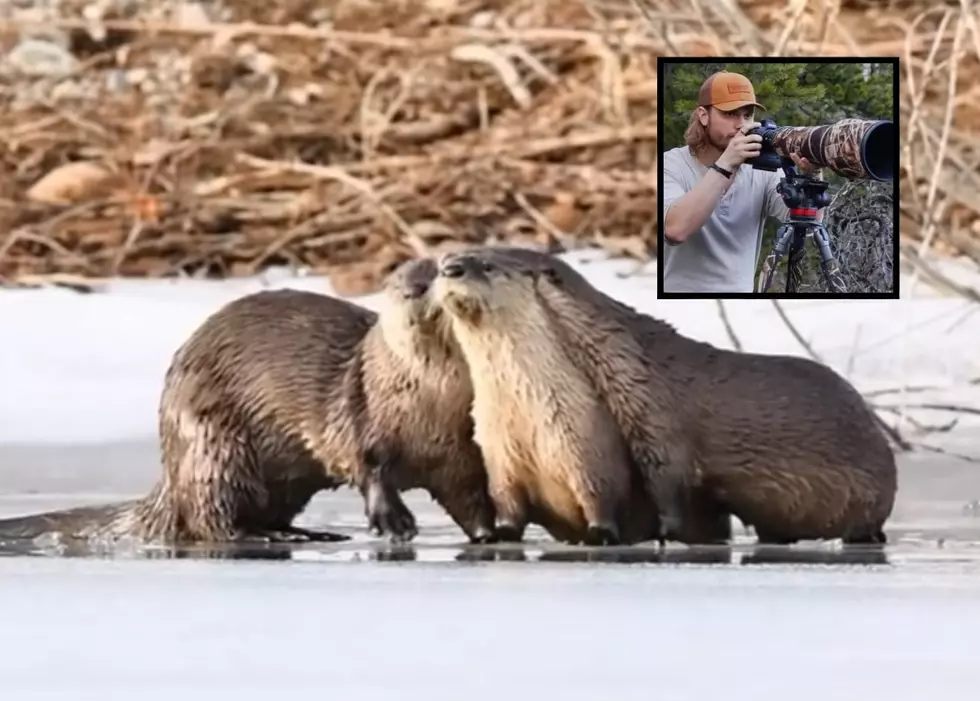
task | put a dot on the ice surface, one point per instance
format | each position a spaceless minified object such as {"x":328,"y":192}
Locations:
{"x":204,"y":630}
{"x":79,"y":381}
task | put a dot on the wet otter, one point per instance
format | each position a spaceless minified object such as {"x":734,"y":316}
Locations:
{"x":283,"y":393}
{"x":642,"y":400}
{"x":784,"y":443}
{"x":553,"y":452}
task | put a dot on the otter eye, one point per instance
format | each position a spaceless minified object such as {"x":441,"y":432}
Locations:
{"x":487,"y":266}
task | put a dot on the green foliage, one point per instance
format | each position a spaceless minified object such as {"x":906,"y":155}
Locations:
{"x":794,"y":94}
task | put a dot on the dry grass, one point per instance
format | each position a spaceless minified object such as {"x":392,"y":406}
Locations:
{"x":410,"y":125}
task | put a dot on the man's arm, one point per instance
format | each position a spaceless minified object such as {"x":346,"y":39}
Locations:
{"x":685,"y":213}
{"x":688,"y":213}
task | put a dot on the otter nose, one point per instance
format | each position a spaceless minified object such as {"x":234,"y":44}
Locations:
{"x":453,"y":269}
{"x":417,"y":289}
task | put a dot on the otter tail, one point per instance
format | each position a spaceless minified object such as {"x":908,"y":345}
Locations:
{"x":78,"y":522}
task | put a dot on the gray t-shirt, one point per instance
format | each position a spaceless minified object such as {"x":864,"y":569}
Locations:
{"x":720,"y":256}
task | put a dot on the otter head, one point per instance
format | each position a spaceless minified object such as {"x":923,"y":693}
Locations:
{"x":407,"y":291}
{"x":411,"y":321}
{"x":474,"y":284}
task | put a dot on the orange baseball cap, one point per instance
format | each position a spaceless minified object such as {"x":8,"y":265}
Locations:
{"x":727,"y":91}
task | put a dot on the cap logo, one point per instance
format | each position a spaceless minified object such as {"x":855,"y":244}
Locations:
{"x":735,"y":89}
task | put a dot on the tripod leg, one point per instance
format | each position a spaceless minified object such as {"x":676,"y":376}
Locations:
{"x":831,"y":270}
{"x":796,"y":263}
{"x":783,"y":236}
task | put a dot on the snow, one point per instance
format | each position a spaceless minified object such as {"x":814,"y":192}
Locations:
{"x":88,"y":368}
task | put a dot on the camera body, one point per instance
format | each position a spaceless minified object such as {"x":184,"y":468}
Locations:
{"x":767,"y":159}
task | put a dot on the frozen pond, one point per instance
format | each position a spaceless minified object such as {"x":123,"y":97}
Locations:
{"x":358,"y":620}
{"x":80,"y":377}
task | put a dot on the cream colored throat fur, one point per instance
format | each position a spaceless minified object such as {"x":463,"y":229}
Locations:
{"x":412,"y":340}
{"x":531,"y":405}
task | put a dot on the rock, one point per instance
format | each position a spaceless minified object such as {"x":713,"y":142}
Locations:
{"x":70,"y":183}
{"x":41,"y":59}
{"x":192,"y":14}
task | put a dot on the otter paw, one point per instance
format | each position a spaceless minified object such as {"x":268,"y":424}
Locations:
{"x":318,"y":536}
{"x":601,"y":535}
{"x":271,"y":536}
{"x":393,"y":518}
{"x":670,"y":526}
{"x":387,"y":513}
{"x":509,"y":533}
{"x":483,"y":536}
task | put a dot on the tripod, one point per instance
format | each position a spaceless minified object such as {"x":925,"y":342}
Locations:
{"x":804,"y":196}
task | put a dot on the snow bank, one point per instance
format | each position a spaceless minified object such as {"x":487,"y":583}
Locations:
{"x":77,"y":368}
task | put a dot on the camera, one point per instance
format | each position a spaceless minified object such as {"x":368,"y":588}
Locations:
{"x":856,"y":149}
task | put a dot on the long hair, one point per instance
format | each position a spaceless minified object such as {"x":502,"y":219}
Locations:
{"x":696,"y":134}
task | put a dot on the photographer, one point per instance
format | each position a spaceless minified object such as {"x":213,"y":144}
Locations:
{"x":715,"y":207}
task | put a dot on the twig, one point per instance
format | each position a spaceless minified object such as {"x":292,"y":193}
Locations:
{"x":728,"y":325}
{"x":943,"y":451}
{"x":922,"y":428}
{"x":327,"y":173}
{"x":938,"y":279}
{"x":76,"y":283}
{"x":930,"y":226}
{"x":796,"y":334}
{"x":543,"y":221}
{"x":903,"y":390}
{"x":946,"y":407}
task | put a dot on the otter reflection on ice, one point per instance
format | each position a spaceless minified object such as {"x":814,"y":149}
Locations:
{"x":474,"y":553}
{"x":695,"y":555}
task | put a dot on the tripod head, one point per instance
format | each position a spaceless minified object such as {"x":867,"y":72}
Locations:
{"x":803,"y":194}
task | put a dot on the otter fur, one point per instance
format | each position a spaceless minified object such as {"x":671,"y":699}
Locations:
{"x":283,"y":393}
{"x":782,"y":442}
{"x":553,"y":452}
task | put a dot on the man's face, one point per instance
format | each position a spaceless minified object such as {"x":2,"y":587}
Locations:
{"x":722,"y":126}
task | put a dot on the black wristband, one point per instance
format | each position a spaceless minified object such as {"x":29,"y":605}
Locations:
{"x":726,"y":173}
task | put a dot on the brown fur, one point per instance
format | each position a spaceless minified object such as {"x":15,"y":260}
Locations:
{"x":553,"y":452}
{"x":784,"y":443}
{"x":283,"y":393}
{"x":78,"y":522}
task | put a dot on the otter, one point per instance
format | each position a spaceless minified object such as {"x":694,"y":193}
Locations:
{"x":553,"y":452}
{"x":641,"y":399}
{"x":283,"y":393}
{"x":784,"y":443}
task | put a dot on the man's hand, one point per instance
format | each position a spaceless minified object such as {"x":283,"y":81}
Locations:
{"x":805,"y":167}
{"x":741,"y":148}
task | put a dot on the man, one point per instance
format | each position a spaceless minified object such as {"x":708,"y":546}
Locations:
{"x":714,"y":205}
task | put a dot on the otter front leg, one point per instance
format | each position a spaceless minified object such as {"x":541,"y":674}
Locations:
{"x":471,"y":510}
{"x":602,"y":528}
{"x":460,"y":487}
{"x":598,"y":500}
{"x":510,"y":503}
{"x":383,"y":505}
{"x":668,"y":487}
